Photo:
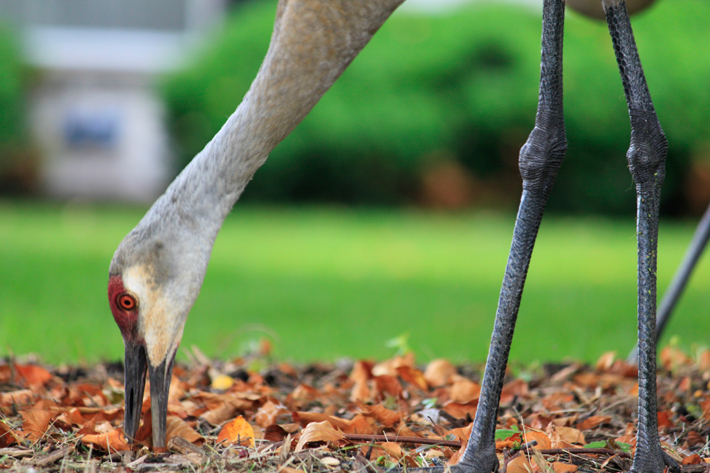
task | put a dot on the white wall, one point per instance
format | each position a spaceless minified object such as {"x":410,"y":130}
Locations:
{"x":102,"y":136}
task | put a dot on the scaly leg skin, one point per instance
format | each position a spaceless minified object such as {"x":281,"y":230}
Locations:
{"x":680,"y":279}
{"x":646,"y":157}
{"x":540,"y":159}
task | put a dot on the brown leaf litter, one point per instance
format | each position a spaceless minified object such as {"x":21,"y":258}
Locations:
{"x":362,"y":416}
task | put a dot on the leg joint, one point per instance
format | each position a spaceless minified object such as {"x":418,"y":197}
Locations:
{"x":648,"y":149}
{"x":541,"y":156}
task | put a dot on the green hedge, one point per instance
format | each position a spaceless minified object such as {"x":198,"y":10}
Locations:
{"x":460,"y":87}
{"x":12,"y":105}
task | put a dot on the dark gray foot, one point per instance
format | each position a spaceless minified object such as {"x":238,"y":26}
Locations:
{"x":653,"y":462}
{"x":482,"y":460}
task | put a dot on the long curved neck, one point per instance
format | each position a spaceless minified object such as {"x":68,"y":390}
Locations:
{"x":312,"y":44}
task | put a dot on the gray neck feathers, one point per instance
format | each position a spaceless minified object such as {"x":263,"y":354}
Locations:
{"x":312,"y":44}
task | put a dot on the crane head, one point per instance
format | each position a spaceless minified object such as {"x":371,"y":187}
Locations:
{"x":154,"y":280}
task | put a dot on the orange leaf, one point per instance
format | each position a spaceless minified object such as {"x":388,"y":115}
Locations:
{"x":568,"y":434}
{"x":305,"y":418}
{"x":664,"y":419}
{"x":559,"y":467}
{"x":671,"y":358}
{"x":594,"y":421}
{"x":176,"y":427}
{"x":543,"y":440}
{"x":33,"y":375}
{"x":381,"y":414}
{"x":319,"y":432}
{"x":460,"y":411}
{"x":462,"y":433}
{"x":520,"y":464}
{"x":387,"y":384}
{"x":439,"y":372}
{"x":36,"y":423}
{"x":237,"y":432}
{"x":274,"y":433}
{"x":267,"y":414}
{"x":464,"y":391}
{"x":413,"y":376}
{"x":16,"y":398}
{"x":113,"y":441}
{"x":606,"y":361}
{"x":220,"y":414}
{"x":517,"y":387}
{"x":704,"y":360}
{"x":361,"y":374}
{"x":693,"y":459}
{"x":556,"y":401}
{"x":390,"y":449}
{"x":7,"y":436}
{"x":361,"y":425}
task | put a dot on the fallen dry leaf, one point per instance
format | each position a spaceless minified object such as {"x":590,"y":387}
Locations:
{"x":571,"y":435}
{"x":413,"y":376}
{"x":361,"y":424}
{"x":222,"y":382}
{"x":113,"y":441}
{"x":543,"y":440}
{"x":237,"y":432}
{"x":559,"y":467}
{"x":381,"y":414}
{"x":464,"y":391}
{"x":462,"y":411}
{"x":400,"y":402}
{"x":17,"y":398}
{"x":391,"y":450}
{"x":438,"y":372}
{"x":606,"y":361}
{"x":268,"y":413}
{"x":520,"y":464}
{"x":33,"y":375}
{"x":7,"y":436}
{"x":592,"y":422}
{"x":319,"y":432}
{"x":672,"y":357}
{"x":693,"y":459}
{"x":516,"y":388}
{"x":36,"y":423}
{"x":305,"y":418}
{"x":388,"y":385}
{"x":704,"y":360}
{"x":176,"y":427}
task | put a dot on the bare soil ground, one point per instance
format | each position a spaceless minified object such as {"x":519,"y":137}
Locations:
{"x":252,"y":415}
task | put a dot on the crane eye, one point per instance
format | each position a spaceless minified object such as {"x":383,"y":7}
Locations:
{"x":126,"y":302}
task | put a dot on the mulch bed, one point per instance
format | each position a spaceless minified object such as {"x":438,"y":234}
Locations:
{"x":250,"y":414}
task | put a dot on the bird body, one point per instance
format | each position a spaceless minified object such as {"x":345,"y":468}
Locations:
{"x":157,"y":271}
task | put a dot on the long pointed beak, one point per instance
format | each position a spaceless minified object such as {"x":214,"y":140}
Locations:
{"x":160,"y":377}
{"x":135,"y":366}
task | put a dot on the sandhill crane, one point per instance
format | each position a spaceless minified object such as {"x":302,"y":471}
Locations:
{"x":158,"y":269}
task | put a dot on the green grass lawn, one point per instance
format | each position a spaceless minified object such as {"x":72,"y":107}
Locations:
{"x":328,"y":282}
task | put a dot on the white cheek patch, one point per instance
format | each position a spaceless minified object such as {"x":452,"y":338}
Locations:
{"x":157,"y":319}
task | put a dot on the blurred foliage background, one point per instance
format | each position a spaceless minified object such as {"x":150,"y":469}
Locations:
{"x":431,"y":114}
{"x":436,"y":107}
{"x":15,"y":168}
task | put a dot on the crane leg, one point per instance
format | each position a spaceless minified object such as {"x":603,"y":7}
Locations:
{"x":680,"y":279}
{"x":646,"y":158}
{"x":540,"y":159}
